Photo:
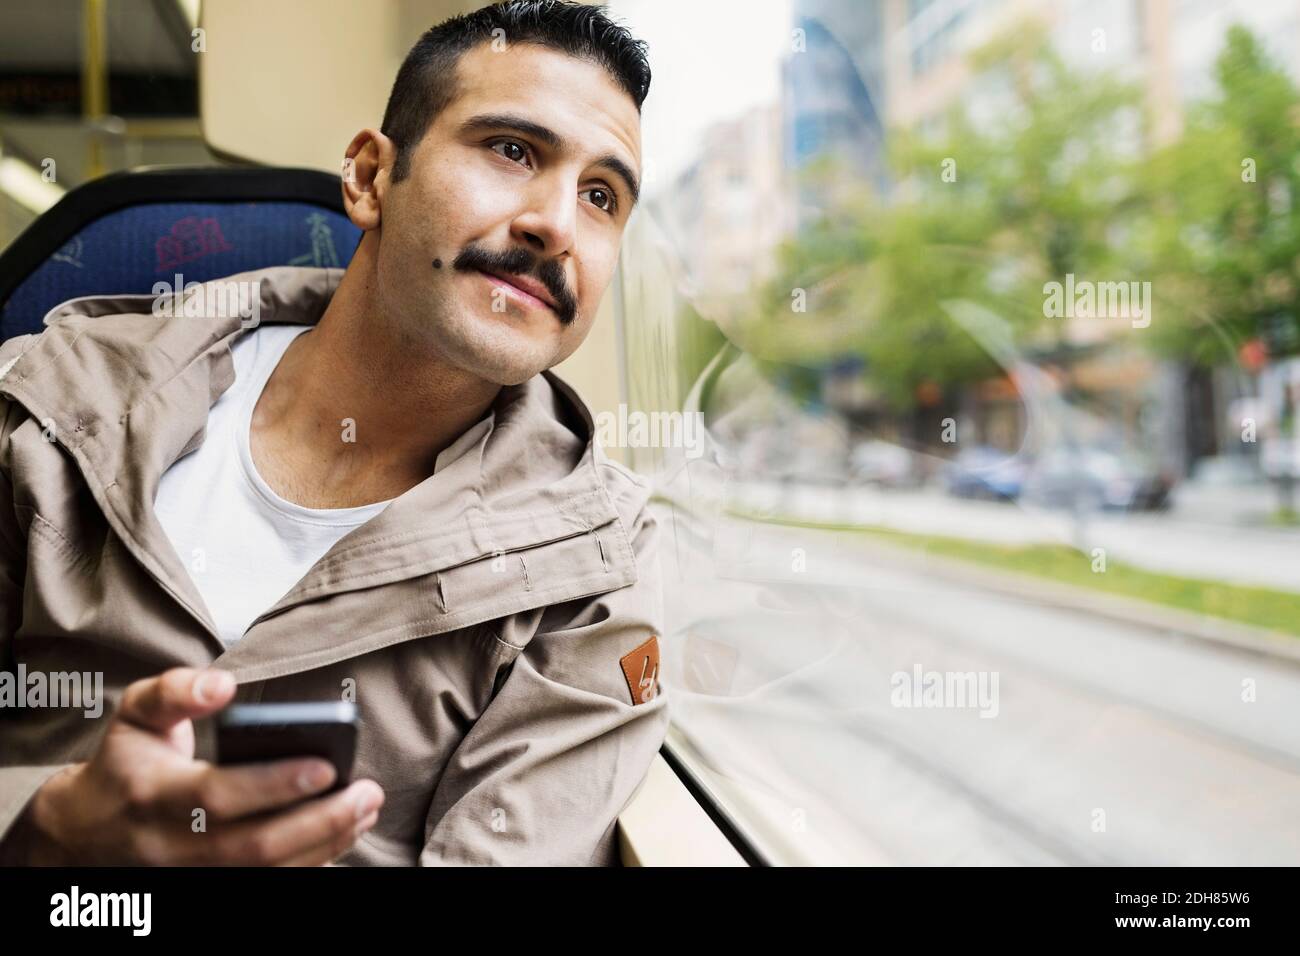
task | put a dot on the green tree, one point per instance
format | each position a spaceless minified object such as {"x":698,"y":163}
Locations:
{"x":983,"y":210}
{"x":1223,"y":239}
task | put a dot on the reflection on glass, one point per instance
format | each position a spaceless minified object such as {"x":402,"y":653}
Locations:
{"x":989,"y":311}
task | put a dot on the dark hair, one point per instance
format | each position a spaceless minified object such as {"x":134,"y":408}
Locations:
{"x":426,"y":82}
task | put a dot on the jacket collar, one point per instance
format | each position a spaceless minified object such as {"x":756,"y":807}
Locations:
{"x":128,"y":393}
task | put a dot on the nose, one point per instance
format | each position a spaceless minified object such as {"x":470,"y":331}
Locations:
{"x":547,"y":221}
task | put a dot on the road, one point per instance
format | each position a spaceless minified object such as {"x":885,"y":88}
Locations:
{"x":1193,"y":547}
{"x":1111,"y":744}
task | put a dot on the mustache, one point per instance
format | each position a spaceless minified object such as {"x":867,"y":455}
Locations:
{"x":518,"y":261}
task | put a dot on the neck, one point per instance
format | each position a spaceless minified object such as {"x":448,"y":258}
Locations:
{"x":357,"y":411}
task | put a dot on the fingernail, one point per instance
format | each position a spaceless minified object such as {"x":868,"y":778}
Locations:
{"x":364,"y":804}
{"x":315,"y":777}
{"x":211,"y":684}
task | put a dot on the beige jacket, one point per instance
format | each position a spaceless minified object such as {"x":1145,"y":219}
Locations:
{"x":497,"y":624}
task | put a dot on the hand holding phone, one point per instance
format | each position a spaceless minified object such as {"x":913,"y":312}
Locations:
{"x":134,"y":801}
{"x":253,"y":733}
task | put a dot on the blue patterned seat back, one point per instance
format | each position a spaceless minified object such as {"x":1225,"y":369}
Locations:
{"x":130,"y":249}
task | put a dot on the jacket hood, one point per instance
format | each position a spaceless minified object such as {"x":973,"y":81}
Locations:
{"x":126,"y":392}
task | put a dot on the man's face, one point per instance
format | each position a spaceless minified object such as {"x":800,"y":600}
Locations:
{"x":485,"y":192}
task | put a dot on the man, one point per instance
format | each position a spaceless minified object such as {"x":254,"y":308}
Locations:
{"x":377,"y":494}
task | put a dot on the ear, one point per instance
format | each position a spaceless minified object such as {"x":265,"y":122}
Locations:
{"x":367,"y":165}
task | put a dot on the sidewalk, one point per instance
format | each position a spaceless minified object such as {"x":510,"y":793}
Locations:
{"x":1165,"y":542}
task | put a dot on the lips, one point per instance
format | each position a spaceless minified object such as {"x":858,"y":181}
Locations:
{"x":527,"y":286}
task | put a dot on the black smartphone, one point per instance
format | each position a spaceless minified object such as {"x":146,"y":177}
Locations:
{"x":250,"y":733}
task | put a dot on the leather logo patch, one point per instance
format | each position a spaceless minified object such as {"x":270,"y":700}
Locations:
{"x":641,"y":668}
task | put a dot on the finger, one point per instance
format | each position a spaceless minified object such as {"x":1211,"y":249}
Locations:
{"x":159,"y":703}
{"x":290,"y":833}
{"x":332,"y":849}
{"x":231,"y":793}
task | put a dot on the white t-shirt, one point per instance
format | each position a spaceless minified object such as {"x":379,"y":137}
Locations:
{"x":243,"y":544}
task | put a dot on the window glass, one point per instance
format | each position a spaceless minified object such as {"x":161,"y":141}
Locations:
{"x":962,"y":348}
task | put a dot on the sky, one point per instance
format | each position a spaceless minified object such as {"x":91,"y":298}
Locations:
{"x":710,"y":61}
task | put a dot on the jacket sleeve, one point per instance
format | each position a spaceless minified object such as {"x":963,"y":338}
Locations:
{"x":17,"y":784}
{"x":560,"y":750}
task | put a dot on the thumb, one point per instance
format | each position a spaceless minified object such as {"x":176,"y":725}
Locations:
{"x":159,"y":703}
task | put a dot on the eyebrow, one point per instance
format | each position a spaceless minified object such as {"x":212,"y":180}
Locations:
{"x":489,"y":121}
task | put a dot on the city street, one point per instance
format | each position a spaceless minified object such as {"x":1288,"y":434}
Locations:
{"x":1109,"y":743}
{"x":1181,"y":541}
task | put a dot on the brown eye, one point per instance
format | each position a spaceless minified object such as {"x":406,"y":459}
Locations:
{"x":602,"y":198}
{"x":514,"y":151}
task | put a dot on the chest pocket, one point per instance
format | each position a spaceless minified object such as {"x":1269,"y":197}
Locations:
{"x":581,"y":565}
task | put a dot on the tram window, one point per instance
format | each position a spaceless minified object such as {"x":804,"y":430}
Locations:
{"x":980,"y":508}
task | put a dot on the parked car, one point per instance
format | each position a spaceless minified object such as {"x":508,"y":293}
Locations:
{"x":985,"y":472}
{"x":1093,"y":479}
{"x":881,"y":463}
